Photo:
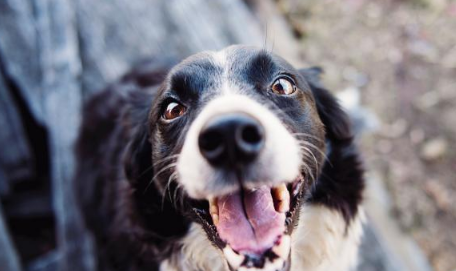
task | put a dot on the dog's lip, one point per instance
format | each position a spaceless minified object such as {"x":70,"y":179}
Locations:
{"x":275,"y":257}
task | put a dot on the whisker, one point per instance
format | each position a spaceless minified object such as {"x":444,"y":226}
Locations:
{"x":308,"y":171}
{"x":178,"y":188}
{"x":308,"y":144}
{"x":166,"y":159}
{"x":158,"y":163}
{"x":172,"y":177}
{"x":310,"y":154}
{"x":158,"y":173}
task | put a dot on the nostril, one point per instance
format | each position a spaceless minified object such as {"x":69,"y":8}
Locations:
{"x":210,"y":141}
{"x":249,"y":140}
{"x":251,"y":134}
{"x":211,"y":144}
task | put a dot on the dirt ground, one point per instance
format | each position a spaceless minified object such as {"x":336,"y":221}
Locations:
{"x":401,"y":55}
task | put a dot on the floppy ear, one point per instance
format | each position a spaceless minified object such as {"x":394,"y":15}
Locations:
{"x":137,"y":159}
{"x":147,"y":74}
{"x":162,"y":219}
{"x":138,"y":155}
{"x":341,"y":182}
{"x":336,"y":121}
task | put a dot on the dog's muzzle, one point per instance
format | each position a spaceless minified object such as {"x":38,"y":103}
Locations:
{"x":242,"y":166}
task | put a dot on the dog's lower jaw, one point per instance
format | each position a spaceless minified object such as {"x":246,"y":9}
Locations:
{"x":321,"y":242}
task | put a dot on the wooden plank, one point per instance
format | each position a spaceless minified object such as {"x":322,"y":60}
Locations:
{"x":38,"y":49}
{"x":62,"y":99}
{"x":15,"y":158}
{"x":20,"y":53}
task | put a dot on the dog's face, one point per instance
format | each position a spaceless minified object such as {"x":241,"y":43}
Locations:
{"x":237,"y":134}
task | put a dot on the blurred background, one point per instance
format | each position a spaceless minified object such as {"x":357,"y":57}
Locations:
{"x":392,"y":64}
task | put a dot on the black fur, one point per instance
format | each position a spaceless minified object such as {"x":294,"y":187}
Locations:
{"x":133,"y":227}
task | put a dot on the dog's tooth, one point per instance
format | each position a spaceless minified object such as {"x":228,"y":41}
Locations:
{"x":213,"y":206}
{"x":283,"y":206}
{"x":213,"y":210}
{"x":283,"y":248}
{"x":276,"y":264}
{"x":281,"y":198}
{"x":215,"y":219}
{"x":234,"y":260}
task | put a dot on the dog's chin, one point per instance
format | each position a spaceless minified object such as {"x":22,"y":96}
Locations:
{"x":252,"y":227}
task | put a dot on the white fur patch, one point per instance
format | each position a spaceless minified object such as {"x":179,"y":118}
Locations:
{"x":319,"y":243}
{"x":197,"y":254}
{"x":281,"y":150}
{"x":219,"y":58}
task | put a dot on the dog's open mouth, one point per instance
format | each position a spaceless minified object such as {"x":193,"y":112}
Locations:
{"x":253,"y":227}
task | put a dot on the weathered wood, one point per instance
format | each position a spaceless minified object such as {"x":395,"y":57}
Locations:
{"x":19,"y":52}
{"x":38,"y":48}
{"x":62,"y":102}
{"x":15,"y":156}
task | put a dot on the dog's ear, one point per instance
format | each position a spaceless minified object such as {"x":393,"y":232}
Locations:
{"x":336,"y":121}
{"x":137,"y":159}
{"x":138,"y":155}
{"x":341,"y":183}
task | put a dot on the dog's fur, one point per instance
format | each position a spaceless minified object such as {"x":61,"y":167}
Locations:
{"x":138,"y":207}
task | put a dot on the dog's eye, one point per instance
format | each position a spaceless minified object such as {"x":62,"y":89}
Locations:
{"x":283,"y":86}
{"x":173,"y":110}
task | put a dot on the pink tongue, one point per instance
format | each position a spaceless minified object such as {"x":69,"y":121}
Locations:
{"x":255,"y":230}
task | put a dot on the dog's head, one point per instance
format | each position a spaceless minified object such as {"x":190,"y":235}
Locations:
{"x":239,"y":136}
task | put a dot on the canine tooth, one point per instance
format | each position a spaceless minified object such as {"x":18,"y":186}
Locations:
{"x":213,"y":210}
{"x":213,"y":206}
{"x":280,"y":192}
{"x":281,"y":198}
{"x":283,"y":206}
{"x":283,"y":248}
{"x":234,"y":260}
{"x":215,"y":219}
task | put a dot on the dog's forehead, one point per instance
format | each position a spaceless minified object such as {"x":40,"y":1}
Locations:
{"x":231,"y":62}
{"x":238,"y":56}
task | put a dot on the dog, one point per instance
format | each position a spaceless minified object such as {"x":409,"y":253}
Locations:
{"x":229,"y":160}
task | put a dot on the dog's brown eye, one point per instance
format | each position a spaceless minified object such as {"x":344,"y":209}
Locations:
{"x":173,"y":110}
{"x":283,"y":86}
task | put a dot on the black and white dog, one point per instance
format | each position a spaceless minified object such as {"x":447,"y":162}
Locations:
{"x":231,"y":160}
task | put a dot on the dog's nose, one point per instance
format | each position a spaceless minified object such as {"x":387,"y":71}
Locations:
{"x":232,"y":139}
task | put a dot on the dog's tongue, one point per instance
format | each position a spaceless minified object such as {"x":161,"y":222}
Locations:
{"x":250,"y":224}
